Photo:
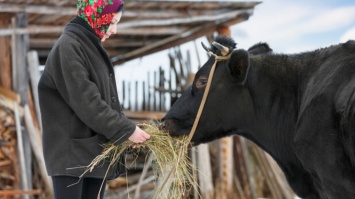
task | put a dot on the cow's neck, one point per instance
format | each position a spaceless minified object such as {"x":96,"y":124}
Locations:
{"x":273,"y":83}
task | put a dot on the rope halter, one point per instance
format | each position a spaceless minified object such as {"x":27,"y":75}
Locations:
{"x":226,"y":55}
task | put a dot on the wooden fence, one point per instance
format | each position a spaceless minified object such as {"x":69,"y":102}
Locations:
{"x":158,"y":89}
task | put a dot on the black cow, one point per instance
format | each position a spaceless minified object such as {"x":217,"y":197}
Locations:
{"x":299,"y":108}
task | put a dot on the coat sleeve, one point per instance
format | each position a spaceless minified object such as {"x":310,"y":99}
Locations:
{"x":73,"y":83}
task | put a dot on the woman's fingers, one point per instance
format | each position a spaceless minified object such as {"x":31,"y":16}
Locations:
{"x":139,"y":136}
{"x":146,"y":136}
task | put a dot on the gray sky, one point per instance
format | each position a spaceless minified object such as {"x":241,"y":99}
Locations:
{"x":296,"y":26}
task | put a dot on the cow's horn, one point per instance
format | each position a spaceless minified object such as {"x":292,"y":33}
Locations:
{"x":205,"y":47}
{"x":224,"y":50}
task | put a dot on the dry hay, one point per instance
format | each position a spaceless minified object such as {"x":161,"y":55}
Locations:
{"x":172,"y":166}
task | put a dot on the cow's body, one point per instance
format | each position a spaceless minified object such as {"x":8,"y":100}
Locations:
{"x":299,"y":108}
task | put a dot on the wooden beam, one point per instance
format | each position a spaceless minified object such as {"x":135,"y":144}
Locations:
{"x":10,"y":94}
{"x":151,"y":31}
{"x":191,"y":4}
{"x":185,"y":20}
{"x":35,"y":9}
{"x":48,"y":19}
{"x":42,"y":42}
{"x":145,"y":115}
{"x":20,"y":74}
{"x":162,"y":44}
{"x":158,"y":13}
{"x":32,"y":30}
{"x":174,"y":40}
{"x":114,"y":42}
{"x":5,"y":53}
{"x":20,"y":192}
{"x":120,"y":43}
{"x":138,"y":31}
{"x":134,"y":24}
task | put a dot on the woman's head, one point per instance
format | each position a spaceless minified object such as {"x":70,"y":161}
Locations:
{"x":102,"y":15}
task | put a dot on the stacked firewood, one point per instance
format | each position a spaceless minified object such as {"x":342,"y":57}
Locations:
{"x":22,"y":172}
{"x":9,"y":173}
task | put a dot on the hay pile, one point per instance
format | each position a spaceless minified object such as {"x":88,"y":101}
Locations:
{"x":172,"y":166}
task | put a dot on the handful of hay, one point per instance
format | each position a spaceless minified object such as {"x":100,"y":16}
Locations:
{"x":173,"y":168}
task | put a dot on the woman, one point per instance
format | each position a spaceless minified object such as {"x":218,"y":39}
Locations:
{"x":79,"y":103}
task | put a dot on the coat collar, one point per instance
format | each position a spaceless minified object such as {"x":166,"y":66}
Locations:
{"x":81,"y":28}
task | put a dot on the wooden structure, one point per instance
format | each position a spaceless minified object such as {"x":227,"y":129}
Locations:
{"x":28,"y":31}
{"x":146,"y":26}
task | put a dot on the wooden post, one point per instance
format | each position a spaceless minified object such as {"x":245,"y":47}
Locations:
{"x":21,"y":153}
{"x":33,"y":64}
{"x":20,"y":49}
{"x":20,"y":84}
{"x":37,"y":148}
{"x":5,"y":53}
{"x":161,"y":85}
{"x":204,"y":171}
{"x":149,"y":101}
{"x":226,"y":169}
{"x":141,"y":178}
{"x":223,"y":30}
{"x":242,"y":143}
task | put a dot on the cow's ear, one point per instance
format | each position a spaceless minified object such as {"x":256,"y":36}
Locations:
{"x":239,"y":65}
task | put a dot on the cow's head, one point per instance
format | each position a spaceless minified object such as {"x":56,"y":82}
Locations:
{"x":227,"y":106}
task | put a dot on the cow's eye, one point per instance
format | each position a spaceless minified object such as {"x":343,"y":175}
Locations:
{"x":201,"y":83}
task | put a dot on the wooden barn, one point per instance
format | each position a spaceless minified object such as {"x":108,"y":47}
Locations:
{"x":230,"y":168}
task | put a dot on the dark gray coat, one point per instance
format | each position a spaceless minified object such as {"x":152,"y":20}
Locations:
{"x":79,"y":104}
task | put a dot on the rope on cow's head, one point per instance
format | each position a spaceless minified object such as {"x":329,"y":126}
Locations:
{"x":226,"y":54}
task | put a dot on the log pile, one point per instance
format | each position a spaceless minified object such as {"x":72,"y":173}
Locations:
{"x":9,"y":171}
{"x":22,"y":173}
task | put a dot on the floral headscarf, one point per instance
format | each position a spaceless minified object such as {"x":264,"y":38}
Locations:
{"x":98,"y":13}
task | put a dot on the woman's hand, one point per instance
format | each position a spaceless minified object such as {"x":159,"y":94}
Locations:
{"x":139,"y":136}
